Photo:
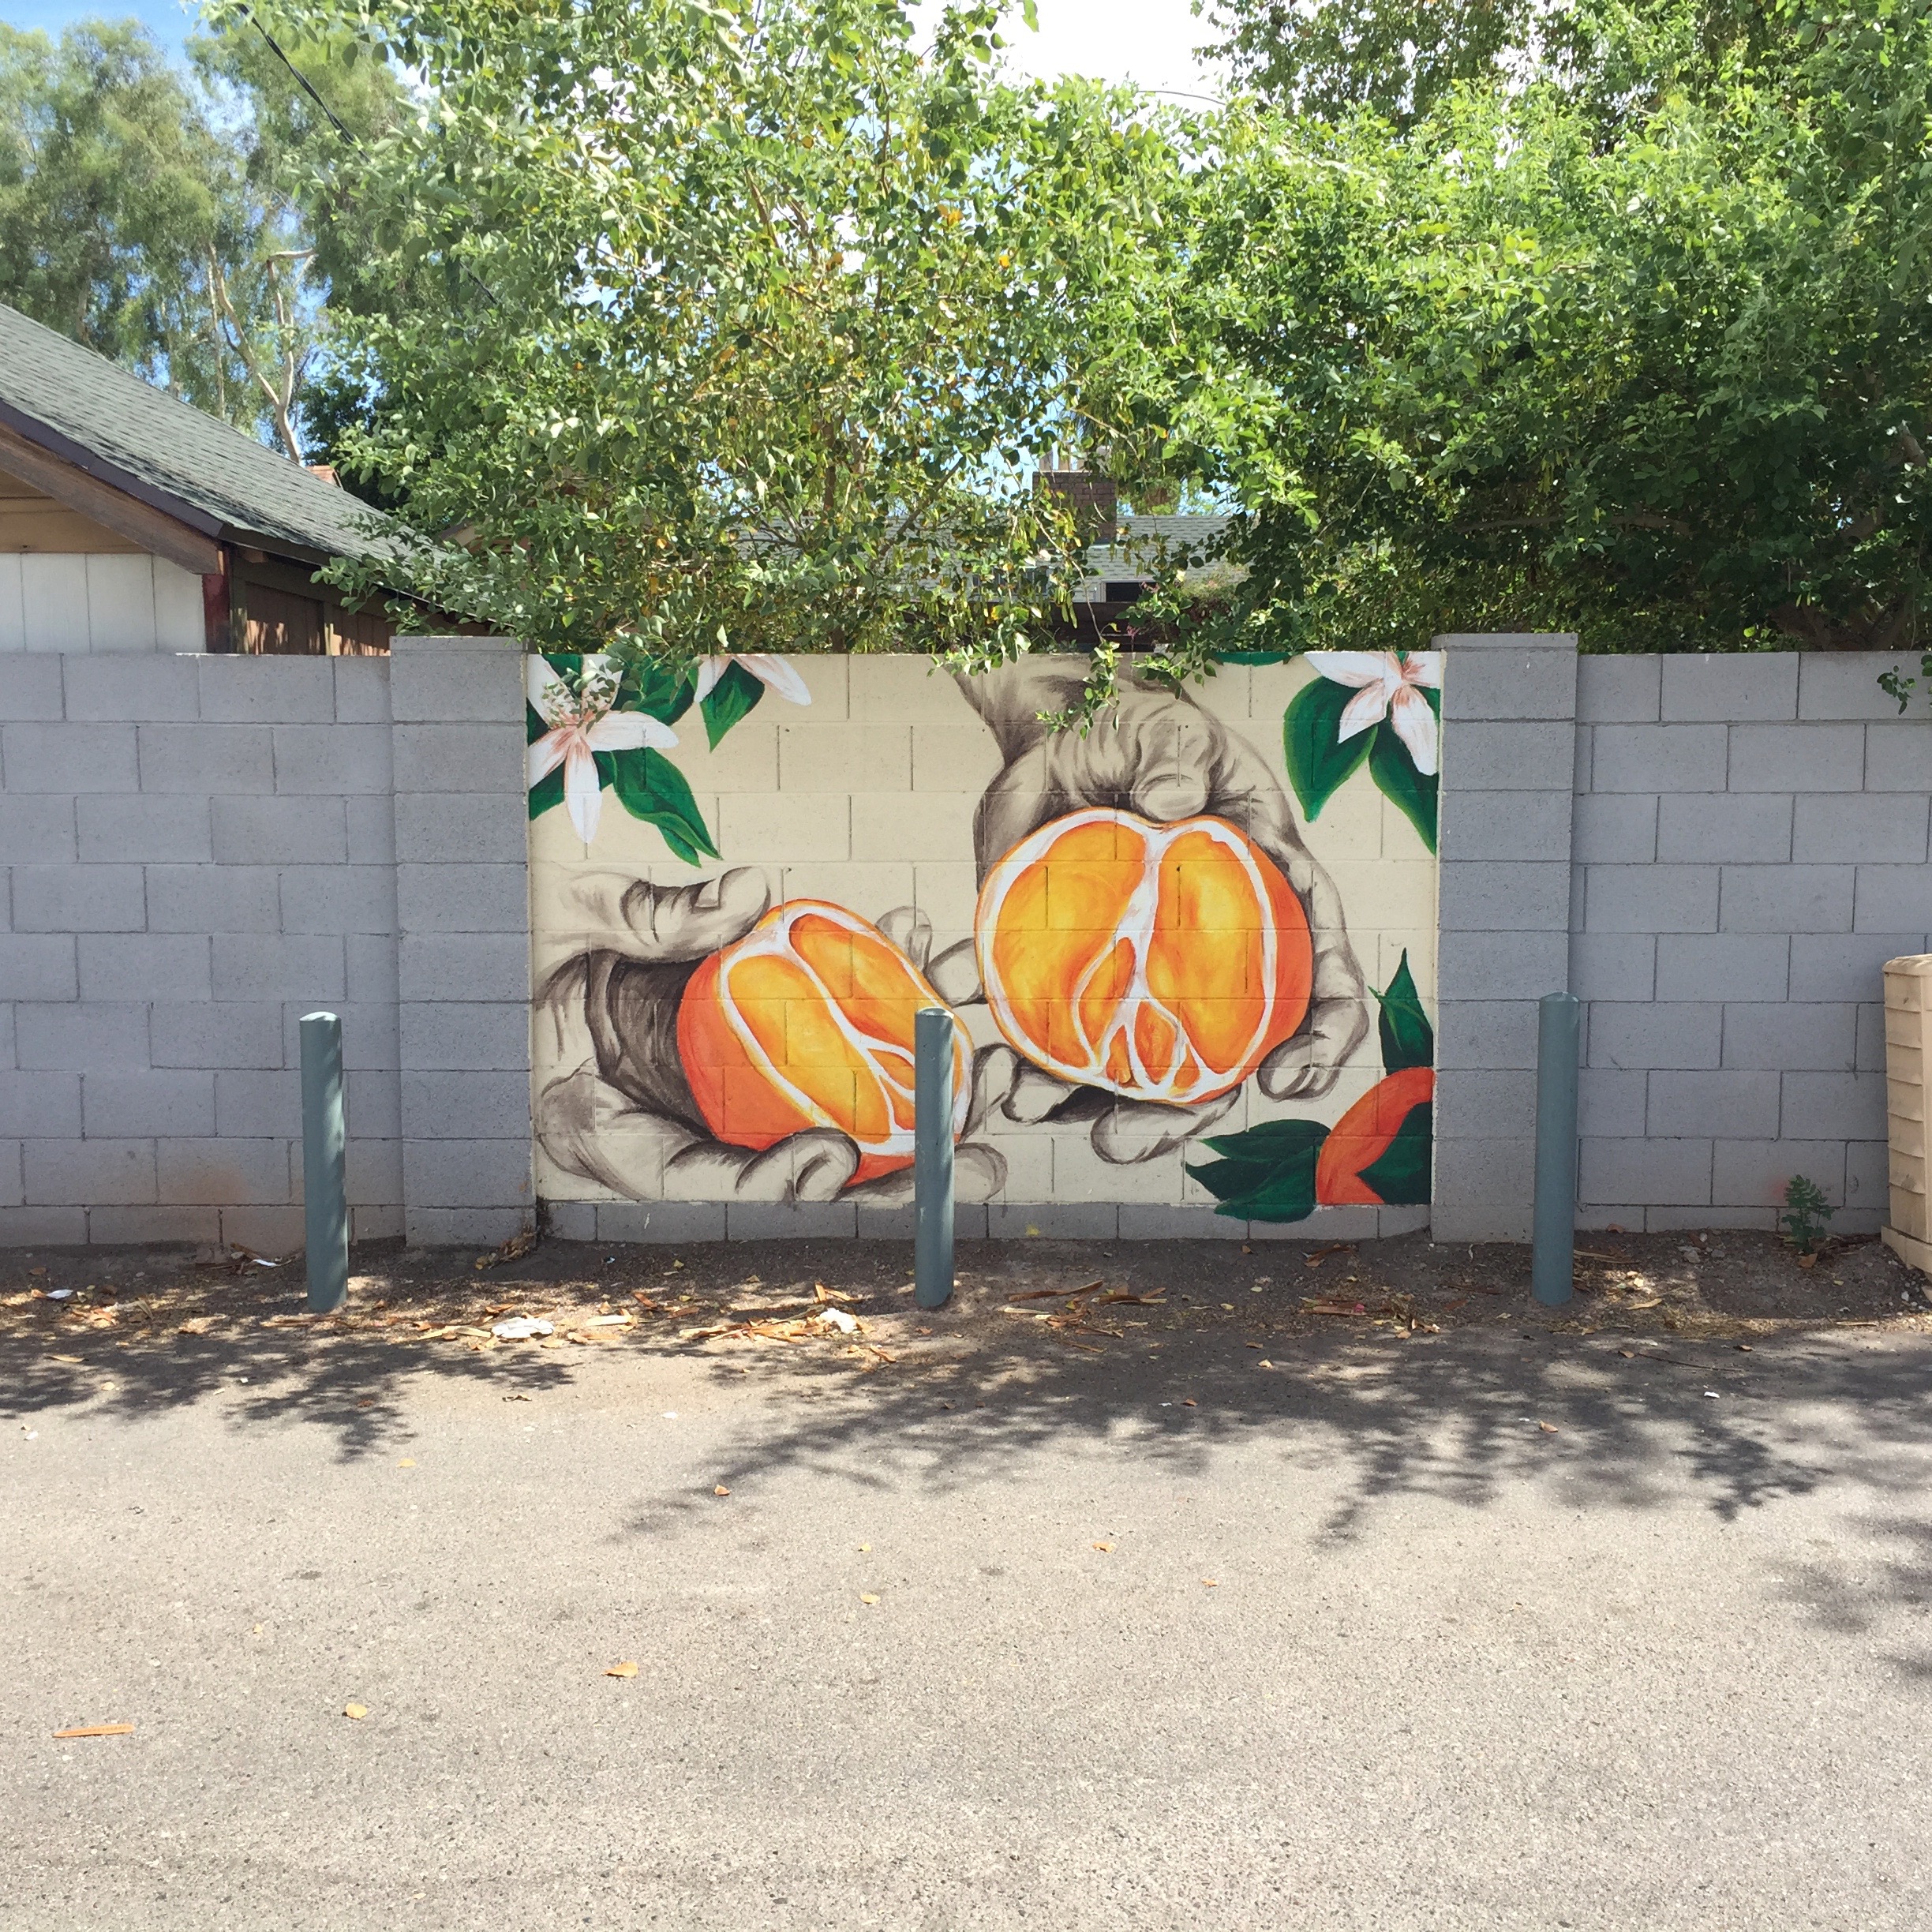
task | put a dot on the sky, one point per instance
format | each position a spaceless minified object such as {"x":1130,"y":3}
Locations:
{"x":1147,"y":41}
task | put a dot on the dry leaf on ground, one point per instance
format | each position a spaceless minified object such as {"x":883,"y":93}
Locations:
{"x":721,"y":1490}
{"x":864,"y":1597}
{"x":1106,"y":1549}
{"x":355,"y":1710}
{"x":626,"y":1669}
{"x":81,"y":1731}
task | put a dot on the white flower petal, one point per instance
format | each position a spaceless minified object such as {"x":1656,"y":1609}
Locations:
{"x":1415,"y":725}
{"x":625,"y":731}
{"x":1424,"y":667}
{"x":546,"y":753}
{"x":583,"y":789}
{"x":548,"y":697}
{"x":1356,"y":667}
{"x":709,"y":670}
{"x":1364,"y":710}
{"x":776,"y":674}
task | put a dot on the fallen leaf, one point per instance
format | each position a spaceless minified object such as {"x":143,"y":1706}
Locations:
{"x":407,"y":1462}
{"x":1187,"y":1402}
{"x":1252,"y":1345}
{"x":355,"y":1710}
{"x":1209,"y":1583}
{"x":721,"y":1490}
{"x":865,"y":1598}
{"x":1449,"y":1307}
{"x":610,"y":1321}
{"x":1138,"y":1300}
{"x":626,"y":1669}
{"x":36,"y":1271}
{"x":80,"y":1731}
{"x":1549,"y":1428}
{"x":1106,"y":1549}
{"x":1265,"y":1363}
{"x":516,"y":1398}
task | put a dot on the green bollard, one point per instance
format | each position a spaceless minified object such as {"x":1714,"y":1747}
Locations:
{"x":932,"y":1157}
{"x":325,"y":1205}
{"x":1553,"y":1246}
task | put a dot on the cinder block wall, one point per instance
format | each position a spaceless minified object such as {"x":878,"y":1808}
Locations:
{"x":1751,"y":846}
{"x":197,"y":850}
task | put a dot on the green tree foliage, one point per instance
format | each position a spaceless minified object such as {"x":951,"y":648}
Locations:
{"x":754,"y":318}
{"x":1666,"y":379}
{"x":190,"y":223}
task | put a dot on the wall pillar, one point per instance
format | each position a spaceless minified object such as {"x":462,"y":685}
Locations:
{"x":462,"y":898}
{"x":1508,"y":764}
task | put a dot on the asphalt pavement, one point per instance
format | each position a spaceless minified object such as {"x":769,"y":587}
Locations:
{"x":1484,"y":1629}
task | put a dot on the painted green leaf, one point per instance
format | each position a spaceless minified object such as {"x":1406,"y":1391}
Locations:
{"x":651,"y":788}
{"x":728,"y":700}
{"x":548,"y":791}
{"x":1266,"y":1173}
{"x":1408,"y":1039}
{"x":1254,"y":656}
{"x":1401,"y":1174}
{"x":1318,"y":760}
{"x":1394,"y":770}
{"x":648,"y":687}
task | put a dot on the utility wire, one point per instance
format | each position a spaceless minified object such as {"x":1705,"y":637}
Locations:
{"x":300,"y":79}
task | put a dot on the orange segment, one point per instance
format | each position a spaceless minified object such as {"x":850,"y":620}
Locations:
{"x":1163,"y":962}
{"x":808,"y":1021}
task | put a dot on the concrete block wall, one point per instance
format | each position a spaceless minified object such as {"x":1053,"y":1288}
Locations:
{"x":1504,"y":918}
{"x":197,"y":850}
{"x":1750,"y":846}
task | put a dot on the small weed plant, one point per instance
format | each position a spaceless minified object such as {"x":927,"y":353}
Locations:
{"x":1807,"y":1215}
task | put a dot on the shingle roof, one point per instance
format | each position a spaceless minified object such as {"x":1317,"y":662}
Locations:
{"x":167,"y":451}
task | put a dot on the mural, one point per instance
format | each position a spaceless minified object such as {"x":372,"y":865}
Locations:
{"x":1190,"y":954}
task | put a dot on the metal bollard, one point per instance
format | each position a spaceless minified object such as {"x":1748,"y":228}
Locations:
{"x":325,"y":1206}
{"x":932,"y":1157}
{"x":1553,"y":1245}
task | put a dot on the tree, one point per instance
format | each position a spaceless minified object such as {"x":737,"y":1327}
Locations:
{"x":190,"y":223}
{"x":754,"y":319}
{"x":1667,"y":382}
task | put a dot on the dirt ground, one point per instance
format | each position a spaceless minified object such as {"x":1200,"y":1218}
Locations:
{"x":847,"y":1307}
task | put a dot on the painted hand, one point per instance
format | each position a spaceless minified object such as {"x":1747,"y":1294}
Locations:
{"x":623,"y":1116}
{"x":1157,"y":754}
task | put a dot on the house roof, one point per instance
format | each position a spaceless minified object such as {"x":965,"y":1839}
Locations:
{"x":89,"y":412}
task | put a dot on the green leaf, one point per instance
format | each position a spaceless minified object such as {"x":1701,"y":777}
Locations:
{"x":1319,"y":762}
{"x":737,"y":693}
{"x":548,"y":791}
{"x":1253,"y":657}
{"x":1408,"y":1039}
{"x":1267,"y":1172}
{"x":651,"y":788}
{"x":1401,"y":1174}
{"x":1394,"y":770}
{"x":664,"y":694}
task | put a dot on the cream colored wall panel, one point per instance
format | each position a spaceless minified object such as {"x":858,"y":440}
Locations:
{"x":54,"y":601}
{"x":785,"y":827}
{"x":920,"y":826}
{"x":900,"y":690}
{"x":121,"y":603}
{"x":13,"y":611}
{"x":179,"y":623}
{"x":818,"y":756}
{"x":953,"y":755}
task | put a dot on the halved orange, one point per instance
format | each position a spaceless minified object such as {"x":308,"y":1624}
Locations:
{"x":1163,"y":962}
{"x":808,"y":1021}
